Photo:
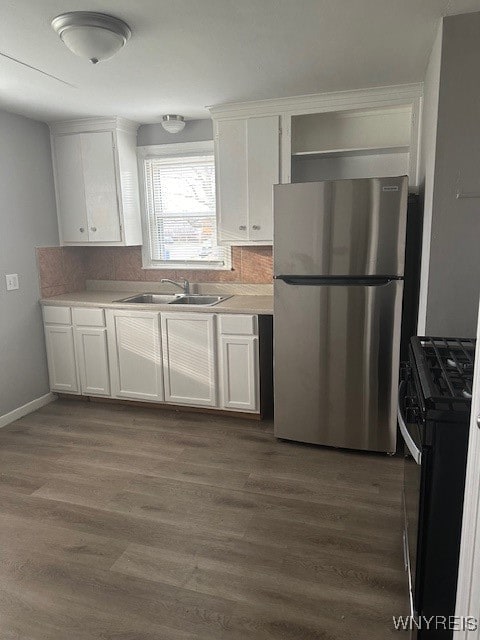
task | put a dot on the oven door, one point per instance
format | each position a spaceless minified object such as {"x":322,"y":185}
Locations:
{"x":410,"y":430}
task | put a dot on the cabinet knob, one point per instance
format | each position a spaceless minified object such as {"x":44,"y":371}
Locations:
{"x":256,"y":227}
{"x":243,"y":227}
{"x":93,"y":229}
{"x":82,"y":229}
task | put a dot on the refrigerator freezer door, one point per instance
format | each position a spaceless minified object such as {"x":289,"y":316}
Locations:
{"x":343,"y":227}
{"x":336,"y":371}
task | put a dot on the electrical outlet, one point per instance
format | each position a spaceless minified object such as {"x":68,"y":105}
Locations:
{"x":12,"y":281}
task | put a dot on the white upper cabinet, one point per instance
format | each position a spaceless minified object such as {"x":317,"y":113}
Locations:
{"x":96,"y":182}
{"x":98,"y":159}
{"x":70,"y":189}
{"x":362,"y":133}
{"x":362,"y":143}
{"x":231,"y":180}
{"x":263,"y":153}
{"x":247,"y":152}
{"x":352,"y":131}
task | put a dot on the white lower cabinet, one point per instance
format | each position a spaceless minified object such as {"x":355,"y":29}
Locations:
{"x":134,"y":348}
{"x":62,"y":368}
{"x":183,"y":358}
{"x":92,"y":360}
{"x":239,"y":363}
{"x":239,"y":373}
{"x":189,"y":358}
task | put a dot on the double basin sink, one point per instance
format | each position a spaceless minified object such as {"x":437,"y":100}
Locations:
{"x":159,"y":298}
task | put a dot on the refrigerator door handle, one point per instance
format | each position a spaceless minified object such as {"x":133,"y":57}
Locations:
{"x":340,"y":281}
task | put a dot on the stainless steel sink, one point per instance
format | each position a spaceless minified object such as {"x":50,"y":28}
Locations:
{"x":150,"y":298}
{"x":207,"y":301}
{"x":156,"y":298}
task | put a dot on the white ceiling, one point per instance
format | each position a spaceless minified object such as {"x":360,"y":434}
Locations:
{"x":185,"y":54}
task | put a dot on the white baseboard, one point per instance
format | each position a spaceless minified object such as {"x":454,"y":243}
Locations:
{"x":26,"y":409}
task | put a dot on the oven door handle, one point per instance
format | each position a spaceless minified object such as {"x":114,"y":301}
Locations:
{"x":409,"y":441}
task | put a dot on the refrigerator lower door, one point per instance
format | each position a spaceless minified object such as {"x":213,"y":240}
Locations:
{"x":336,"y":364}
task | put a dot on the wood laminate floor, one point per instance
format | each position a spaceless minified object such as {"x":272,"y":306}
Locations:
{"x":120,"y":523}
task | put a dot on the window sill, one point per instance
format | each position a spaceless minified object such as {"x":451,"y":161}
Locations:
{"x":181,"y":266}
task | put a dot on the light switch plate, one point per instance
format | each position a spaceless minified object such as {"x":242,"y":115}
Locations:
{"x":12,"y":281}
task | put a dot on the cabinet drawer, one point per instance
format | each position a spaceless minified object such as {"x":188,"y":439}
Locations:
{"x":85,"y":317}
{"x":237,"y":324}
{"x":57,"y":315}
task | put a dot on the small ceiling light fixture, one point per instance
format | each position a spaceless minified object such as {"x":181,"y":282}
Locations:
{"x":173,"y":124}
{"x":95,"y":36}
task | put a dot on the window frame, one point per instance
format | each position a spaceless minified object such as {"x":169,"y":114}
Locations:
{"x":165,"y":151}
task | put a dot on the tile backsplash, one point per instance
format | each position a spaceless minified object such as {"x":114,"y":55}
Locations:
{"x":61,"y":270}
{"x":65,"y":269}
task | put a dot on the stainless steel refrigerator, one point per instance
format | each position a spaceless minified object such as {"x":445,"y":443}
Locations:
{"x":339,"y":250}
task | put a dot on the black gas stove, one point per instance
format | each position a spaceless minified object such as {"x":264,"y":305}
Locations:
{"x":434,"y":411}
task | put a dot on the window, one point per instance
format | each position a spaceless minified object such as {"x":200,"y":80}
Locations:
{"x":180,"y":227}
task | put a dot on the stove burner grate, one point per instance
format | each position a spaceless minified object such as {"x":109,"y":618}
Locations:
{"x":445,"y":367}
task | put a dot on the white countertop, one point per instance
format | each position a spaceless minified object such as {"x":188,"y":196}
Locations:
{"x":255,"y":304}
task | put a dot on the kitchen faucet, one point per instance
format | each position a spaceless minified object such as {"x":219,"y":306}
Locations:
{"x":185,"y":286}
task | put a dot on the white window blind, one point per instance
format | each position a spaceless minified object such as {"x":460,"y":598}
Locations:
{"x":180,"y":210}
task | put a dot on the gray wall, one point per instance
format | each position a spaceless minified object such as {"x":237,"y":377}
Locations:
{"x":454,"y":271}
{"x":427,"y":167}
{"x":27,"y":220}
{"x":195,"y":131}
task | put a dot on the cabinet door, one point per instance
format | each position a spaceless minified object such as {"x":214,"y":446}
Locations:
{"x":62,"y":368}
{"x":239,"y":372}
{"x":70,"y":188}
{"x":135,"y":355}
{"x":231,"y":180}
{"x":189,"y":358}
{"x":247,"y":166}
{"x":92,"y":358}
{"x":99,"y":170}
{"x":263,"y":154}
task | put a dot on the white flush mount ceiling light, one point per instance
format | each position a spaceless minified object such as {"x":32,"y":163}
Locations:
{"x":173,"y":124}
{"x":95,"y":36}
